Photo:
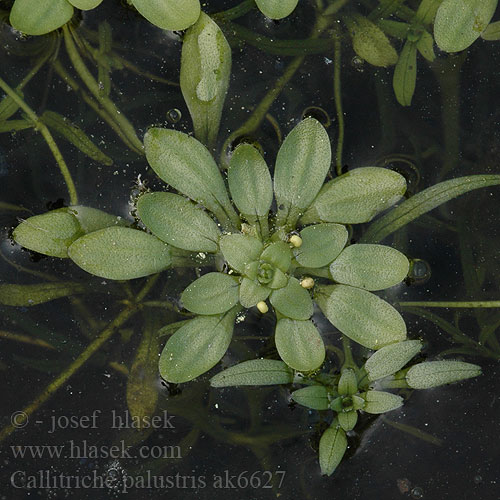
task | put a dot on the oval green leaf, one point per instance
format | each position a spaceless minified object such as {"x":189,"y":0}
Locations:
{"x":299,"y":344}
{"x":169,"y":14}
{"x":371,"y":267}
{"x":276,"y":9}
{"x":391,"y":358}
{"x":357,"y":196}
{"x":120,"y":253}
{"x":379,"y":402}
{"x":348,"y":420}
{"x":321,"y":243}
{"x":332,"y":446}
{"x":314,"y":397}
{"x":37,"y":17}
{"x":91,"y":219}
{"x":278,"y":254}
{"x":459,"y":23}
{"x":252,"y":292}
{"x":436,"y":373}
{"x":185,"y":164}
{"x":213,"y":293}
{"x":239,"y":250}
{"x":301,"y":167}
{"x":31,"y":295}
{"x":250,"y":182}
{"x":370,"y":42}
{"x":177,"y":221}
{"x":85,"y":4}
{"x":292,"y":301}
{"x":348,"y":383}
{"x":405,"y":74}
{"x":196,"y":347}
{"x":361,"y":315}
{"x":254,"y":372}
{"x":204,"y":79}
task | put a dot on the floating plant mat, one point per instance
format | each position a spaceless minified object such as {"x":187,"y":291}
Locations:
{"x":249,"y":249}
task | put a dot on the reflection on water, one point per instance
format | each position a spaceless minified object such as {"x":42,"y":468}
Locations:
{"x":438,"y":445}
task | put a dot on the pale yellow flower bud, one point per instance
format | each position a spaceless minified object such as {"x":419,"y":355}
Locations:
{"x":307,"y":283}
{"x":295,"y":240}
{"x":262,"y":307}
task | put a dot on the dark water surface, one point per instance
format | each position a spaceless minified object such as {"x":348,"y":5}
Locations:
{"x":452,"y":129}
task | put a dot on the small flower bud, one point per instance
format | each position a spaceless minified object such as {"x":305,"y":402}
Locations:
{"x":262,"y":307}
{"x":295,"y":240}
{"x":307,"y":283}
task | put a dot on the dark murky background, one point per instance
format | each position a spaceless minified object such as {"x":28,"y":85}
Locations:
{"x":247,"y":431}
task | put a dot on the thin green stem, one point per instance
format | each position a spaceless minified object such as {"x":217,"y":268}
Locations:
{"x":23,"y":416}
{"x":348,"y":359}
{"x":337,"y":89}
{"x":235,"y":12}
{"x":63,"y":167}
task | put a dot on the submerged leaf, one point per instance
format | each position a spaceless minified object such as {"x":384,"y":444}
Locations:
{"x":425,"y":201}
{"x":177,"y":221}
{"x":357,"y":196}
{"x":254,"y":372}
{"x":332,"y":446}
{"x":371,"y":267}
{"x":169,"y":14}
{"x":187,"y":165}
{"x":301,"y":167}
{"x":299,"y":344}
{"x":196,"y":347}
{"x":361,"y":315}
{"x":213,"y":293}
{"x":37,"y":17}
{"x":204,"y":79}
{"x":31,"y":295}
{"x":436,"y":373}
{"x":250,"y":182}
{"x":276,"y":9}
{"x":321,"y":244}
{"x":120,"y":253}
{"x":459,"y":23}
{"x":405,"y":74}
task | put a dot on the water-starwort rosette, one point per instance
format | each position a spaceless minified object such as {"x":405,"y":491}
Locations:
{"x":285,"y":259}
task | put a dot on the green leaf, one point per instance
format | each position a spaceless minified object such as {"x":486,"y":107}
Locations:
{"x":185,"y":164}
{"x":280,"y":279}
{"x":37,"y":17}
{"x":196,"y":347}
{"x":75,"y":135}
{"x":492,"y":32}
{"x":321,"y":243}
{"x":357,"y":196}
{"x":405,"y":74}
{"x":142,"y":382}
{"x":371,"y":267}
{"x":213,"y":293}
{"x":436,"y":373}
{"x":276,"y":9}
{"x":31,"y":295}
{"x":459,"y":23}
{"x":239,"y":250}
{"x":348,"y":383}
{"x":380,"y":402}
{"x":361,"y":315}
{"x":91,"y":219}
{"x":332,"y":446}
{"x":49,"y":234}
{"x":425,"y":201}
{"x":370,"y":42}
{"x":252,"y":292}
{"x":278,"y":254}
{"x":301,"y":167}
{"x":314,"y":397}
{"x":169,"y":14}
{"x":250,"y":182}
{"x":254,"y":372}
{"x":348,"y":420}
{"x":204,"y":79}
{"x":85,"y":4}
{"x":8,"y":106}
{"x":120,"y":253}
{"x":292,"y":301}
{"x":426,"y":11}
{"x":391,"y":358}
{"x":425,"y":46}
{"x":396,"y":29}
{"x":299,"y":344}
{"x":177,"y":221}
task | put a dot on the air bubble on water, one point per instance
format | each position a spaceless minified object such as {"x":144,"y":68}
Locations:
{"x":174,"y":115}
{"x":240,"y":318}
{"x":417,"y":492}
